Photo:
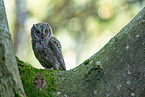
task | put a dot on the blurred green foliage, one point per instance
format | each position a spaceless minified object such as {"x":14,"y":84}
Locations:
{"x":82,"y":26}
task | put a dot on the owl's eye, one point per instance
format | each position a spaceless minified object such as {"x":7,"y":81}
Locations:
{"x":37,"y":32}
{"x":46,"y":31}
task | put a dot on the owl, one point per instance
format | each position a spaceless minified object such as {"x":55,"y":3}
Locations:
{"x":46,"y":47}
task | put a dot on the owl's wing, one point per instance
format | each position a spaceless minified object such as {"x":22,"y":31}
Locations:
{"x":56,"y":42}
{"x":55,"y":46}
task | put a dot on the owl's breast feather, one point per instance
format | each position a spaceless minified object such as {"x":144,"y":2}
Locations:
{"x":38,"y":46}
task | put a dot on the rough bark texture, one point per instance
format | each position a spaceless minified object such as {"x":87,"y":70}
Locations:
{"x":10,"y":82}
{"x":117,"y":70}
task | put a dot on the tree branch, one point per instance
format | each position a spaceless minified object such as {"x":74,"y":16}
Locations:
{"x":118,"y":69}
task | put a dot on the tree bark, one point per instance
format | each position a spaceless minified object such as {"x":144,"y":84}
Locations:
{"x":117,"y":70}
{"x":10,"y":82}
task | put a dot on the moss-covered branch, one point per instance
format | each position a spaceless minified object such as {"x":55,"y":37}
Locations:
{"x":117,"y":70}
{"x":37,"y":82}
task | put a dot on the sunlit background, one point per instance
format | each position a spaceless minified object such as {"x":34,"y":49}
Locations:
{"x":82,"y":26}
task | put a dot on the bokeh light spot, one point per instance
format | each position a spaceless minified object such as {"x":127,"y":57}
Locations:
{"x":105,"y":12}
{"x":74,"y":24}
{"x":91,"y":26}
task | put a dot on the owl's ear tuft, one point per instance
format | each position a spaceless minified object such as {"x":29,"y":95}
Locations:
{"x":47,"y":24}
{"x":34,"y":25}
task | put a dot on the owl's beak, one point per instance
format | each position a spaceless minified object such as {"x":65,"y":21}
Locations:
{"x":43,"y":35}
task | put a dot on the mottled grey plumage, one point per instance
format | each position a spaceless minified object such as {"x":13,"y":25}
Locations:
{"x":46,"y":47}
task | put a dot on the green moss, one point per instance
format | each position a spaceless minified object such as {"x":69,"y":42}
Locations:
{"x":86,"y":61}
{"x":17,"y":95}
{"x":28,"y":74}
{"x":22,"y":64}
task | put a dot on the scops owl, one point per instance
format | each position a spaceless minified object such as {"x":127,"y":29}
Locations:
{"x":46,"y":47}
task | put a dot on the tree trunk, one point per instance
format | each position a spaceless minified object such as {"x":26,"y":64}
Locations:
{"x":117,"y":70}
{"x":19,"y":29}
{"x":10,"y":82}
